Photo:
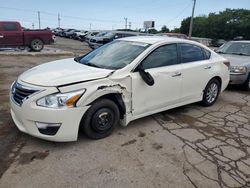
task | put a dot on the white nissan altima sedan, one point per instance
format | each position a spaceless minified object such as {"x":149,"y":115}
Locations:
{"x":121,"y":81}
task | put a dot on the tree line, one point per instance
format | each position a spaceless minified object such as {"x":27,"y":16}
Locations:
{"x":226,"y":25}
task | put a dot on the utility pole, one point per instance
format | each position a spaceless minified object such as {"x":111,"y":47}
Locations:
{"x":59,"y":20}
{"x":126,"y":22}
{"x":191,"y":21}
{"x":33,"y":25}
{"x":90,"y":26}
{"x":129,"y":25}
{"x":39,"y":20}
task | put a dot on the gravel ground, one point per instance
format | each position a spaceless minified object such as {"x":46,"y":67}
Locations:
{"x":190,"y":146}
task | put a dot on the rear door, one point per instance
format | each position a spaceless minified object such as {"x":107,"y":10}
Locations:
{"x":10,"y":36}
{"x":197,"y":70}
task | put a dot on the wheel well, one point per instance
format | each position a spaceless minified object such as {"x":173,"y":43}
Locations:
{"x":219,"y":79}
{"x":117,"y":99}
{"x":35,"y":39}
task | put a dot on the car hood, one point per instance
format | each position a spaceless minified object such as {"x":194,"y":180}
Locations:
{"x":62,"y":72}
{"x":237,"y":60}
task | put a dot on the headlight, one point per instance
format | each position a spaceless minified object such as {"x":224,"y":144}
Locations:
{"x":61,"y":100}
{"x":238,"y":69}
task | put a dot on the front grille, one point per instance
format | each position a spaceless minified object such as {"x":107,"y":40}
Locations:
{"x":20,"y":92}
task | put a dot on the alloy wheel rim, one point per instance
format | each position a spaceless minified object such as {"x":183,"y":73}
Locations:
{"x":37,"y":45}
{"x":212,"y":93}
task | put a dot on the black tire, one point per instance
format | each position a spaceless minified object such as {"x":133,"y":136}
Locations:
{"x":100,"y":119}
{"x":210,"y":97}
{"x":36,"y":45}
{"x":246,"y":85}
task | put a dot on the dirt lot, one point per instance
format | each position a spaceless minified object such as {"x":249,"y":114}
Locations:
{"x":191,"y":146}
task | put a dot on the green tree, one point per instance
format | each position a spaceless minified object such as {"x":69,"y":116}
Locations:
{"x":227,"y":25}
{"x":152,"y":31}
{"x":164,"y":29}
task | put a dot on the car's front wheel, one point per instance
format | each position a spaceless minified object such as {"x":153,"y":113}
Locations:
{"x":100,"y":119}
{"x":211,"y":92}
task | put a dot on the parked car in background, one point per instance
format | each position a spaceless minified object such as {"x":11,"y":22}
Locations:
{"x":218,"y":42}
{"x":59,"y":32}
{"x":12,"y":35}
{"x":71,"y":34}
{"x":124,"y":80}
{"x":68,"y":32}
{"x":238,"y":53}
{"x":107,"y":37}
{"x":77,"y":35}
{"x":176,"y":35}
{"x":90,"y":34}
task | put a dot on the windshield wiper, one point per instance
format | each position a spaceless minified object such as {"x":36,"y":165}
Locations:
{"x":240,"y":53}
{"x":220,"y":52}
{"x":77,"y":59}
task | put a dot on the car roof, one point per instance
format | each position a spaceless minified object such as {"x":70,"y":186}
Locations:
{"x":152,"y":39}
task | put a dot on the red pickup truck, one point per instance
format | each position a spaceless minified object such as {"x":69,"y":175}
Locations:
{"x":12,"y":35}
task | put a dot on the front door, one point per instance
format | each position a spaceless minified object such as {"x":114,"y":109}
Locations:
{"x":164,"y":67}
{"x":9,"y":36}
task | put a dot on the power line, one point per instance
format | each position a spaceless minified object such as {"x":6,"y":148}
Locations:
{"x":62,"y":15}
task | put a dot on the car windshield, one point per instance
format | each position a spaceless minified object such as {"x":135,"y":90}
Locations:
{"x":114,"y":55}
{"x":101,"y":34}
{"x":109,"y":35}
{"x":238,"y":48}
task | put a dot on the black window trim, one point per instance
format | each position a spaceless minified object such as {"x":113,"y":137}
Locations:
{"x":177,"y":51}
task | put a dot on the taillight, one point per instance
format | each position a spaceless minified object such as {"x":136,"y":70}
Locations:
{"x":227,"y":63}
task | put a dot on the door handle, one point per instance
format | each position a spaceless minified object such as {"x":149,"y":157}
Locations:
{"x":176,"y":74}
{"x":1,"y":36}
{"x":207,"y":67}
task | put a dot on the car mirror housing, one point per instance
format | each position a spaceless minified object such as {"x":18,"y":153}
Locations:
{"x":146,"y":76}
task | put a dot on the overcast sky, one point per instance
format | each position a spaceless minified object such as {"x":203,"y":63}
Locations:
{"x":108,"y":14}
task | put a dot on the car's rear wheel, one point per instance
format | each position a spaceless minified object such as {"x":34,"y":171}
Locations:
{"x":246,"y":85}
{"x":211,"y":92}
{"x":36,"y":45}
{"x":100,"y":119}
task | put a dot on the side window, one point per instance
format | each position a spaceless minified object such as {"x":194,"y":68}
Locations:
{"x":127,"y":35}
{"x":9,"y":27}
{"x":162,"y":56}
{"x":190,"y":53}
{"x":118,"y":35}
{"x":207,"y":54}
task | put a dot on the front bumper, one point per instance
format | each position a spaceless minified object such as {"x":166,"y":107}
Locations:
{"x":238,"y":79}
{"x":26,"y":116}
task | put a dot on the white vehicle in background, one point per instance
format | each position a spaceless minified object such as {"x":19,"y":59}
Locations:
{"x":79,"y":35}
{"x":121,"y":81}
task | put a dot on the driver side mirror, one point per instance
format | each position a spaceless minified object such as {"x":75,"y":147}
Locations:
{"x":146,"y":76}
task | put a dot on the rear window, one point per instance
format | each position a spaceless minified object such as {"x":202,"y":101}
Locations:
{"x":191,"y":53}
{"x":9,"y":27}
